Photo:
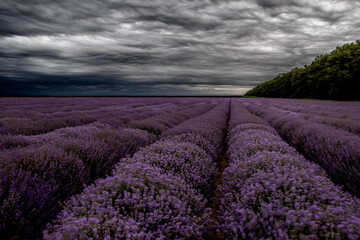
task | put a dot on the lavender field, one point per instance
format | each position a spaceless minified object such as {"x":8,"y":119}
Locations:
{"x":179,"y":168}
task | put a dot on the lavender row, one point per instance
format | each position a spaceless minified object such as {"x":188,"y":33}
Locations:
{"x":332,"y":109}
{"x":34,"y":117}
{"x":34,"y":181}
{"x":156,"y":194}
{"x":269,"y":191}
{"x":138,"y":201}
{"x":157,"y":118}
{"x":167,"y":120}
{"x":26,"y":126}
{"x":35,"y":108}
{"x":32,"y":199}
{"x":160,"y":123}
{"x":345,"y":124}
{"x":336,"y":151}
{"x":30,"y":121}
{"x":341,"y":117}
{"x":349,"y":125}
{"x":206,"y":131}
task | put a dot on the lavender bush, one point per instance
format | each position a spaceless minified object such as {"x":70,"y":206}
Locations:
{"x":160,"y":191}
{"x":333,"y":109}
{"x":210,"y":126}
{"x":240,"y":115}
{"x":24,"y":126}
{"x":137,"y":202}
{"x":250,"y":126}
{"x":335,"y":150}
{"x":270,"y":191}
{"x":101,"y":150}
{"x":176,"y":156}
{"x":97,"y":146}
{"x":183,"y":159}
{"x":275,"y":195}
{"x":339,"y":115}
{"x":36,"y":117}
{"x":352,"y":126}
{"x":249,"y":142}
{"x":161,"y":123}
{"x":10,"y":141}
{"x":196,"y":139}
{"x":33,"y":182}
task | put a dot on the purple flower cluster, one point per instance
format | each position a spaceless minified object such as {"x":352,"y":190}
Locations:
{"x":339,"y":115}
{"x":35,"y":116}
{"x":244,"y":144}
{"x":97,"y":145}
{"x":196,"y":139}
{"x":275,"y":195}
{"x":241,"y":127}
{"x":101,"y":149}
{"x":352,"y":126}
{"x":345,"y":117}
{"x":10,"y":141}
{"x":335,"y":150}
{"x":107,"y":182}
{"x":32,"y":182}
{"x":210,"y":126}
{"x":269,"y":191}
{"x":239,"y":115}
{"x":332,"y":109}
{"x":160,"y":123}
{"x":155,"y":194}
{"x":183,"y":159}
{"x":138,"y":202}
{"x":38,"y":173}
{"x":25,"y":126}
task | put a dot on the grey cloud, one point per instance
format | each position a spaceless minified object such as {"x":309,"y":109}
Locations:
{"x":178,"y":46}
{"x":276,"y":3}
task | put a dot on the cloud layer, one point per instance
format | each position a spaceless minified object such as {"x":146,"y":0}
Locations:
{"x":163,"y":47}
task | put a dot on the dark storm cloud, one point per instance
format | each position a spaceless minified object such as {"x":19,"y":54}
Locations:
{"x":168,"y":47}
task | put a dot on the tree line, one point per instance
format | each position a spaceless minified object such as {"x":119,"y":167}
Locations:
{"x":334,"y":76}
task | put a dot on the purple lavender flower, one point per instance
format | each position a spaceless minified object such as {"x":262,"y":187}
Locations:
{"x":196,"y":139}
{"x":210,"y":126}
{"x":161,"y":123}
{"x":271,"y":191}
{"x":182,"y":159}
{"x":137,"y":202}
{"x":249,"y":142}
{"x":33,"y":182}
{"x":335,"y":150}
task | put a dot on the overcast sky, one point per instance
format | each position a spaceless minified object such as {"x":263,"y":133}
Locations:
{"x":163,"y":47}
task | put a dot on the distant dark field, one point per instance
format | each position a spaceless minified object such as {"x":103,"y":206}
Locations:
{"x":179,"y":168}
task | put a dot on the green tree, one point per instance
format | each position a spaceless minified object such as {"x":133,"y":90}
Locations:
{"x":332,"y":76}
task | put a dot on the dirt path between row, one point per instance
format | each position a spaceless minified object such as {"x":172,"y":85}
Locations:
{"x":213,"y":232}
